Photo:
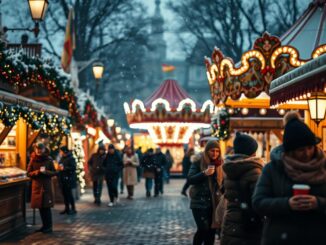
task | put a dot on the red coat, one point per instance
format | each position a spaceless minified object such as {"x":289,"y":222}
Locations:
{"x":42,"y":196}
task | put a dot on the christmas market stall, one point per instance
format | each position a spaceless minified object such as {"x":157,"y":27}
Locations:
{"x":22,"y":121}
{"x":170,"y":116}
{"x":307,"y":84}
{"x":242,"y":90}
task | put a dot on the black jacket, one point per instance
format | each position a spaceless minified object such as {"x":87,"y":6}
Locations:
{"x":159,"y":161}
{"x":186,"y":163}
{"x":68,"y":175}
{"x":241,"y":175}
{"x":285,"y":226}
{"x":200,"y":194}
{"x":95,"y":166}
{"x":113,"y":164}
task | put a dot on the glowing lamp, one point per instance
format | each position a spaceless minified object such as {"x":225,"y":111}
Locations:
{"x":317,"y":107}
{"x":118,"y":130}
{"x":98,"y":69}
{"x":38,"y":9}
{"x":110,"y":122}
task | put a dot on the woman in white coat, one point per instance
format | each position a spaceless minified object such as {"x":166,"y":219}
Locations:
{"x":130,"y":162}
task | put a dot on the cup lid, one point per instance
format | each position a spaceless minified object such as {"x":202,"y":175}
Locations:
{"x":301,"y":187}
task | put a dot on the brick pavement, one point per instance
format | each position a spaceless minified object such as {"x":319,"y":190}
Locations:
{"x":143,"y":221}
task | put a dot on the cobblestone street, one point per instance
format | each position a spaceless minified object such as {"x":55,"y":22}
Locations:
{"x":163,"y":220}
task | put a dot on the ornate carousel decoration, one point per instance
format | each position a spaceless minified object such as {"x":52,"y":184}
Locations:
{"x":268,"y":60}
{"x":170,"y":115}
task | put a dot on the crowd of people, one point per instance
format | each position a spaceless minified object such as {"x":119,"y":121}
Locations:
{"x":237,"y":196}
{"x":249,"y":202}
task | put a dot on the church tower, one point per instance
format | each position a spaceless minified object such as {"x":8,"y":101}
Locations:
{"x":157,"y":49}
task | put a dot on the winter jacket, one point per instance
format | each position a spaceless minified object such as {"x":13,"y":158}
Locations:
{"x":159,"y":161}
{"x":241,"y":175}
{"x":204,"y":191}
{"x":95,"y":166}
{"x":42,"y":195}
{"x":186,"y":163}
{"x":285,"y":226}
{"x":148,"y":166}
{"x":67,"y":176}
{"x":169,"y":161}
{"x":112,"y":164}
{"x":130,"y":169}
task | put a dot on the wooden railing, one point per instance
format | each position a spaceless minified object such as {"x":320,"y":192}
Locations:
{"x":31,"y":50}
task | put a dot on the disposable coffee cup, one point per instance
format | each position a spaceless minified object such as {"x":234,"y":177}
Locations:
{"x":42,"y":169}
{"x":300,"y":190}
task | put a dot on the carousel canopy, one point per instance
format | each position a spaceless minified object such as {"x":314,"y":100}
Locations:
{"x":172,"y":93}
{"x":307,"y":34}
{"x":170,"y":115}
{"x":309,"y":31}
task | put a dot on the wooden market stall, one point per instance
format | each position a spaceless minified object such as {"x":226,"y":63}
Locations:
{"x":19,"y":128}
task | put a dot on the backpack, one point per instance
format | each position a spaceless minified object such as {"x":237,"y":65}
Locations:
{"x":250,"y":218}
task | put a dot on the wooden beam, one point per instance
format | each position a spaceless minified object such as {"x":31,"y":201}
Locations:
{"x":4,"y":133}
{"x":278,"y":134}
{"x":32,"y":137}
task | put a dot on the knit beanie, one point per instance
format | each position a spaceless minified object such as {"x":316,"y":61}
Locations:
{"x":211,"y":144}
{"x":296,"y":133}
{"x":244,"y":144}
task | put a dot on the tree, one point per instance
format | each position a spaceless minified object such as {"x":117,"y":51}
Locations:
{"x":234,"y":24}
{"x":115,"y":31}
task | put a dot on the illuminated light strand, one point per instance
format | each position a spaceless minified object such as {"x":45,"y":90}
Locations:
{"x":244,"y":63}
{"x":319,"y":51}
{"x":213,"y":73}
{"x":187,"y":101}
{"x":294,"y":54}
{"x":139,"y":103}
{"x":190,"y":128}
{"x":160,"y":101}
{"x":208,"y":103}
{"x":126,"y":108}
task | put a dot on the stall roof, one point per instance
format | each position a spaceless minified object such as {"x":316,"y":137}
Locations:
{"x":170,"y":91}
{"x":309,"y":31}
{"x":310,"y":77}
{"x":6,"y":97}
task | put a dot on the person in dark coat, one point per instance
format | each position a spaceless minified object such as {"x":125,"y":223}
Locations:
{"x":293,"y":219}
{"x":168,"y":166}
{"x":159,"y":163}
{"x":205,"y":176}
{"x":113,"y":166}
{"x":96,"y":170}
{"x":67,"y":179}
{"x":41,"y":170}
{"x":186,"y":163}
{"x":241,"y":171}
{"x":148,"y":167}
{"x":139,"y":169}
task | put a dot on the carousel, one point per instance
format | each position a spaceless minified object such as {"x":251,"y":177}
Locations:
{"x":170,"y":116}
{"x":243,"y":90}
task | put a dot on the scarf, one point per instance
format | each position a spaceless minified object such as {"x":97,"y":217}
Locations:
{"x":312,"y":172}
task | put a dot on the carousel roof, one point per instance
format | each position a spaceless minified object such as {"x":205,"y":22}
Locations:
{"x":171,"y":91}
{"x":309,"y":31}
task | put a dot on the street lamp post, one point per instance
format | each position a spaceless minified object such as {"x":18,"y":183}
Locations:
{"x":317,"y":107}
{"x":98,"y":69}
{"x":38,"y":10}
